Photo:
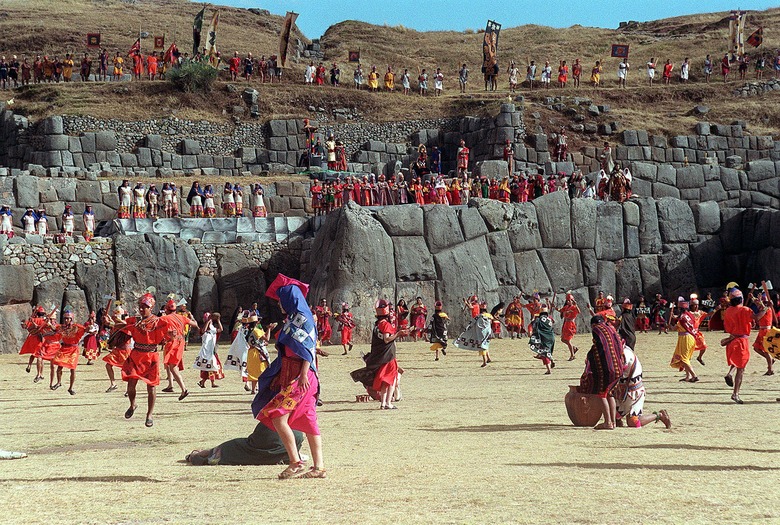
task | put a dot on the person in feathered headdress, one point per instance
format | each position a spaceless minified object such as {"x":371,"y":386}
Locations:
{"x":287,"y":391}
{"x":569,"y":312}
{"x":143,"y":363}
{"x":173,"y":350}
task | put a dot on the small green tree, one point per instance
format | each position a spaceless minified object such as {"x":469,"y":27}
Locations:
{"x":193,"y":77}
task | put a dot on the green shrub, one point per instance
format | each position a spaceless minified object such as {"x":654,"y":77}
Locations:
{"x":193,"y":77}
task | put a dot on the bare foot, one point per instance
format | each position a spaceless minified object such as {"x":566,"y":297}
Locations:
{"x":604,"y":426}
{"x":665,"y":419}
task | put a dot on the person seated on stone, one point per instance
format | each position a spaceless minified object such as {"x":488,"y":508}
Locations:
{"x":262,"y":447}
{"x":630,"y":396}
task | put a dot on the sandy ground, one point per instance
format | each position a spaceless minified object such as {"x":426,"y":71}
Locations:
{"x":467,"y":445}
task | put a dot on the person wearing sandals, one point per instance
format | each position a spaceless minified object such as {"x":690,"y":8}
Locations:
{"x":143,"y":363}
{"x":381,"y":371}
{"x":68,"y":354}
{"x":630,"y":396}
{"x":737,"y":321}
{"x":208,"y":361}
{"x":542,"y":340}
{"x":287,"y":391}
{"x":686,"y":341}
{"x":119,"y":345}
{"x":173,"y":350}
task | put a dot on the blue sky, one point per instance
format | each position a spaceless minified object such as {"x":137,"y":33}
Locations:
{"x":425,"y":15}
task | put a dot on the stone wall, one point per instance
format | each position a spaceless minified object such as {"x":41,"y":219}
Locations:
{"x":551,"y":245}
{"x":212,"y":277}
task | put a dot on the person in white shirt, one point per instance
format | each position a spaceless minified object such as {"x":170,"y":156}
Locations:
{"x":623,"y":68}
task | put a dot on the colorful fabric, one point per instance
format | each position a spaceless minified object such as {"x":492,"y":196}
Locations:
{"x":237,"y":353}
{"x":476,"y":337}
{"x":542,"y":342}
{"x":604,"y":362}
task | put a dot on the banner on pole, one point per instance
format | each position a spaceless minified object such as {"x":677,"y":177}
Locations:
{"x":197,"y":28}
{"x":159,"y":42}
{"x":619,"y":51}
{"x":284,"y":37}
{"x":490,"y":48}
{"x":93,"y":39}
{"x":354,"y":56}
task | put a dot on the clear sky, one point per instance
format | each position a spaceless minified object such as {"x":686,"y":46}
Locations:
{"x":426,"y":15}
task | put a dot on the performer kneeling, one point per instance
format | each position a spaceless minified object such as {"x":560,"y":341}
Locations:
{"x":262,"y":447}
{"x":630,"y":396}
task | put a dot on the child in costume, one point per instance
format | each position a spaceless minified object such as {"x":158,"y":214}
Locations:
{"x":437,"y":330}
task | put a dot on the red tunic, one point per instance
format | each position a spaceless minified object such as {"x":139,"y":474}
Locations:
{"x":764,"y":324}
{"x":737,"y":321}
{"x":569,"y":329}
{"x":34,"y":341}
{"x":388,"y":372}
{"x":143,"y":363}
{"x":68,"y":354}
{"x":173,"y":351}
{"x":51,"y":343}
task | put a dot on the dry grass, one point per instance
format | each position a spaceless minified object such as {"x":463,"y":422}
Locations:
{"x":468,"y":445}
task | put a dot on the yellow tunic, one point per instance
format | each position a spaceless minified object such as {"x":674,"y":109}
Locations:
{"x":389,"y":81}
{"x":67,"y":69}
{"x":255,"y":361}
{"x":373,"y":80}
{"x":684,"y":349}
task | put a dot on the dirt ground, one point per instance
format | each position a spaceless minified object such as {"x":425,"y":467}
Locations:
{"x":467,"y":445}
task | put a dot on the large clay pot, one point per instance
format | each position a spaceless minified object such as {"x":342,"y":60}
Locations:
{"x":584,"y":409}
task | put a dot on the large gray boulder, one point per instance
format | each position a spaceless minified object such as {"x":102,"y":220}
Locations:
{"x":554,"y":215}
{"x":497,"y":215}
{"x":49,"y":293}
{"x":606,"y":282}
{"x":707,"y":215}
{"x":464,"y":270}
{"x":675,"y":220}
{"x":401,"y":220}
{"x":205,"y":296}
{"x":583,"y":223}
{"x":708,"y":262}
{"x":651,"y":275}
{"x":501,"y":257}
{"x":524,"y":228}
{"x":756,"y":227}
{"x":347,"y":271}
{"x":677,"y":273}
{"x":590,"y":268}
{"x":628,"y":279}
{"x":413,"y":260}
{"x":27,"y":194}
{"x":442,"y":228}
{"x":147,"y":260}
{"x":774,"y":220}
{"x":531,"y":275}
{"x":76,"y":299}
{"x":12,"y":335}
{"x":649,"y":232}
{"x":609,"y":232}
{"x":16,"y":284}
{"x":471,"y":223}
{"x":97,"y":281}
{"x":240,"y":280}
{"x":563,"y":268}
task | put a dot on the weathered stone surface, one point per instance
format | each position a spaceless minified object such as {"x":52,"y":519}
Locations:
{"x":97,"y":281}
{"x":651,"y":275}
{"x":606,"y":277}
{"x":563,"y":267}
{"x":12,"y":336}
{"x":501,"y":257}
{"x":531,"y":275}
{"x":667,"y":174}
{"x":26,"y":189}
{"x":554,"y":217}
{"x":88,"y":191}
{"x":628,"y":279}
{"x":16,"y":284}
{"x":492,"y":169}
{"x":413,"y":260}
{"x":401,"y":220}
{"x":583,"y":223}
{"x":677,"y":273}
{"x":690,"y":177}
{"x":240,"y":280}
{"x":150,"y":260}
{"x":442,"y":228}
{"x":49,"y":293}
{"x":609,"y":232}
{"x":76,"y":299}
{"x":731,"y":229}
{"x":649,"y":233}
{"x":631,"y":215}
{"x":756,"y":226}
{"x":497,"y":215}
{"x":524,"y":228}
{"x":464,"y":270}
{"x":631,"y":236}
{"x":471,"y":223}
{"x":205,"y":296}
{"x":708,"y":263}
{"x":759,"y":170}
{"x":707,"y":215}
{"x":675,"y":220}
{"x":356,"y":276}
{"x":105,"y":141}
{"x":590,"y":269}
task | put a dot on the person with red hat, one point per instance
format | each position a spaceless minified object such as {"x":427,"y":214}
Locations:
{"x":323,"y":314}
{"x":381,"y":371}
{"x":514,"y":318}
{"x":686,"y":341}
{"x":143,"y":363}
{"x":738,"y":320}
{"x":173,"y":350}
{"x":698,"y":316}
{"x":68,"y":354}
{"x":346,"y":325}
{"x":764,"y":325}
{"x":32,"y":344}
{"x":476,"y":336}
{"x":437,"y":330}
{"x":569,"y":312}
{"x":52,"y":341}
{"x":287,"y":391}
{"x":534,"y":308}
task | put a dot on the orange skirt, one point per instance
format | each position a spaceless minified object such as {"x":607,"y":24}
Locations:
{"x":738,"y":352}
{"x":117,"y":357}
{"x":48,"y":351}
{"x":67,"y":357}
{"x":142,"y":366}
{"x":568,"y":331}
{"x":32,"y":345}
{"x":173,"y":352}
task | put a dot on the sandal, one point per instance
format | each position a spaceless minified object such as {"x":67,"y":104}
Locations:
{"x":149,"y":422}
{"x":315,"y":473}
{"x":37,"y":379}
{"x":111,"y":388}
{"x":737,"y":400}
{"x":293,"y":470}
{"x":202,"y":384}
{"x":694,"y":379}
{"x":71,"y":392}
{"x":55,"y":387}
{"x":167,"y":390}
{"x":129,"y":412}
{"x":184,"y":394}
{"x":729,"y":380}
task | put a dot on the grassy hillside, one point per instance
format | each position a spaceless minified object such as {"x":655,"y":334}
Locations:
{"x":49,"y":26}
